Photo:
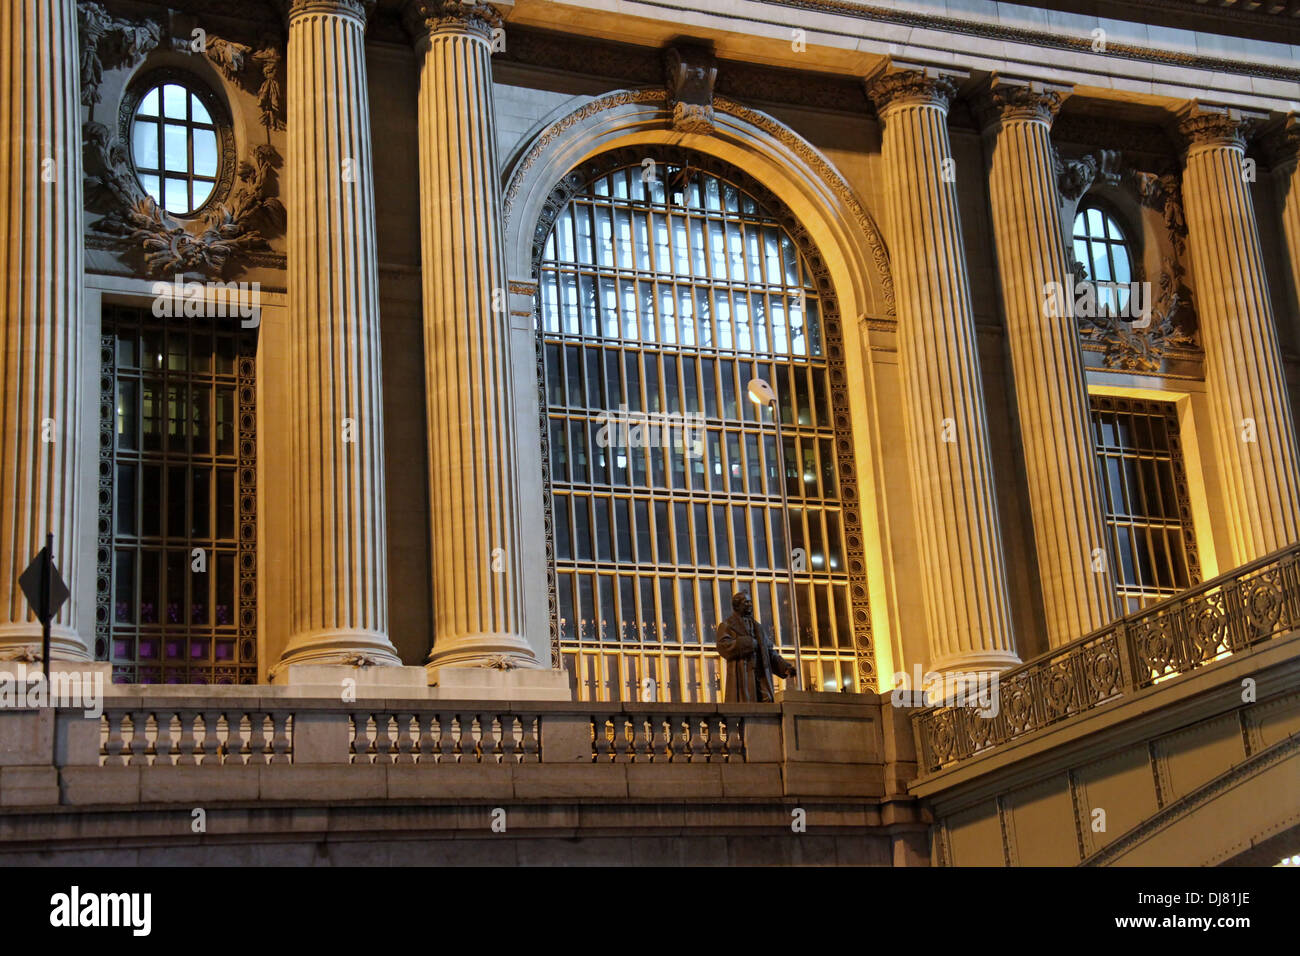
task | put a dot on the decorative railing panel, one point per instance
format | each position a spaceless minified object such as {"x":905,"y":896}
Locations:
{"x":409,"y":737}
{"x":1251,"y":604}
{"x":187,"y":737}
{"x":667,"y":738}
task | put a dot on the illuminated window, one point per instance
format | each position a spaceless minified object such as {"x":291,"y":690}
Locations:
{"x":177,"y":599}
{"x":1103,"y":248}
{"x":1147,"y":506}
{"x":174,"y":145}
{"x":664,"y":289}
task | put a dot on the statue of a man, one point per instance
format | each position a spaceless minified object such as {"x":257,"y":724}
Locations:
{"x":751,"y":658}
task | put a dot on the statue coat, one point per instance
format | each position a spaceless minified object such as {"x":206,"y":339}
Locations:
{"x":751,"y":660}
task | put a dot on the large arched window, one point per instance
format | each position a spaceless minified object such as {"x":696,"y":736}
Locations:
{"x":1105,"y":250}
{"x":666,"y":283}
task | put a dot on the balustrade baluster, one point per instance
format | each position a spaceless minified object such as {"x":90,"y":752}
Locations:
{"x":715,"y":739}
{"x":383,"y":738}
{"x":622,"y":746}
{"x":427,"y":745}
{"x":446,"y":739}
{"x":698,"y":746}
{"x":281,"y":737}
{"x":466,"y":747}
{"x":405,"y":742}
{"x":600,"y":739}
{"x":256,"y":737}
{"x":660,"y":738}
{"x":139,"y":739}
{"x":185,"y":756}
{"x":509,"y":741}
{"x":529,"y":739}
{"x":488,"y":741}
{"x":209,"y":749}
{"x":164,"y":742}
{"x":361,"y":739}
{"x":113,"y":744}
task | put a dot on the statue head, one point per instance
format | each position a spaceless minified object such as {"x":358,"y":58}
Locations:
{"x":741,"y":604}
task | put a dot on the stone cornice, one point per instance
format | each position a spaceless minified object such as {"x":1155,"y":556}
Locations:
{"x":911,"y":87}
{"x":425,"y":17}
{"x":1008,"y":100}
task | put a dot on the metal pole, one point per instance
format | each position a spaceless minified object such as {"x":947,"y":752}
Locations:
{"x":46,"y":576}
{"x":789,"y":553}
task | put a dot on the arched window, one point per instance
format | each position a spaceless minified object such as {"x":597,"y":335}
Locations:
{"x":175,"y":146}
{"x":1101,"y":244}
{"x":666,"y":283}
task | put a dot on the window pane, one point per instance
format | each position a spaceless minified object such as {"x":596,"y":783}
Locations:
{"x":148,"y":104}
{"x":205,"y":152}
{"x":199,"y":111}
{"x":174,"y":97}
{"x":144,"y":143}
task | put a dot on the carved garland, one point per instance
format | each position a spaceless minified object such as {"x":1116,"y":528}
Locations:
{"x":171,"y":245}
{"x":854,"y":539}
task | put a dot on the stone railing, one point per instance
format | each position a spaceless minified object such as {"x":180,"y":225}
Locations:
{"x":1248,"y":605}
{"x":191,"y":737}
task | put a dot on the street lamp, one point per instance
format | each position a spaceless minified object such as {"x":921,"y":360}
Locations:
{"x":761,"y":393}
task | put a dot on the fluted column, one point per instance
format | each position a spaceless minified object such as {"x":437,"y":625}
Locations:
{"x":477,"y":573}
{"x":339,"y":601}
{"x":1073,"y":553}
{"x":1245,"y":383}
{"x":955,"y":512}
{"x":41,"y":219}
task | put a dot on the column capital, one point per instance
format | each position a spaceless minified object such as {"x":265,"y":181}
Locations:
{"x":425,"y":17}
{"x":1281,"y":144}
{"x":359,"y":10}
{"x":1009,"y":99}
{"x":906,"y":85}
{"x":1222,"y":127}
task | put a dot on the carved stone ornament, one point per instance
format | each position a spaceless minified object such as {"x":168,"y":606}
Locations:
{"x":1074,"y":177}
{"x":109,"y":42}
{"x":1010,"y":101}
{"x":1202,"y":126}
{"x":911,"y":86}
{"x":168,"y":246}
{"x":245,"y":205}
{"x":690,"y":70}
{"x":428,"y":16}
{"x":499,"y":662}
{"x":1130,"y":347}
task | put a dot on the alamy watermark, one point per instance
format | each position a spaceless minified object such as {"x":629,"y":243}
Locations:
{"x":209,"y":300}
{"x":22,"y":689}
{"x":977,"y":689}
{"x":1135,"y":307}
{"x":628,"y":429}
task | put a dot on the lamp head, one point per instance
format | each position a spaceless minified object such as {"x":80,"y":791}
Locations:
{"x":760,"y":393}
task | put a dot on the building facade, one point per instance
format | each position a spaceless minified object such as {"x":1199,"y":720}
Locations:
{"x":417,"y":337}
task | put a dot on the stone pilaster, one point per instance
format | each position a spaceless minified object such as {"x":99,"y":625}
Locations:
{"x":955,"y":510}
{"x":1245,"y":383}
{"x":339,"y":600}
{"x":477,"y":578}
{"x":1073,"y":551}
{"x":41,"y":218}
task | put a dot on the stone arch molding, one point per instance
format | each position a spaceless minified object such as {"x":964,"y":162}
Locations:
{"x":793,"y":169}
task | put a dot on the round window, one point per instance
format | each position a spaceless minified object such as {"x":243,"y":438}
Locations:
{"x":175,"y":147}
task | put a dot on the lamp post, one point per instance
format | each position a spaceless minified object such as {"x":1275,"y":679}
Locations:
{"x":761,"y":393}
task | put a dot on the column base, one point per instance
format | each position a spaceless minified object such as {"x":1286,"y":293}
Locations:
{"x":346,"y":648}
{"x":22,"y":642}
{"x":501,"y":651}
{"x":332,"y":680}
{"x":490,"y":683}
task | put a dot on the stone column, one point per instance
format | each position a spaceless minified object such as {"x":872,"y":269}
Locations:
{"x":41,"y":218}
{"x":963,"y":573}
{"x":1244,"y":378}
{"x":478,"y":599}
{"x":1073,"y":550}
{"x":339,"y":599}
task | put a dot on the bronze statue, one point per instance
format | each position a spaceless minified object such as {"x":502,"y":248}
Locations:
{"x":751,"y":658}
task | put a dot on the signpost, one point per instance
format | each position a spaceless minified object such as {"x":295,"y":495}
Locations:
{"x":46,"y":591}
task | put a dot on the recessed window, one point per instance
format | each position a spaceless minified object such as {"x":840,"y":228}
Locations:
{"x":1147,"y":508}
{"x":174,"y":147}
{"x":1106,"y":251}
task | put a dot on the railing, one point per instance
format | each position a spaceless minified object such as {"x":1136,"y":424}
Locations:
{"x":1234,"y":611}
{"x":208,"y":733}
{"x":178,"y":736}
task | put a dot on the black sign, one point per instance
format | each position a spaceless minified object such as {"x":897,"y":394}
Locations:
{"x":44,"y":586}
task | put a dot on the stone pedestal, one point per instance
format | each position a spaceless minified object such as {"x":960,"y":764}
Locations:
{"x":1245,"y":381}
{"x":489,"y":683}
{"x":339,"y":599}
{"x":963,"y":574}
{"x":1075,"y":567}
{"x":40,"y":362}
{"x":478,"y":597}
{"x":349,"y":682}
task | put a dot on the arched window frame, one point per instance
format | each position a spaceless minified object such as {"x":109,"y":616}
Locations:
{"x":1130,"y":240}
{"x":556,"y":202}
